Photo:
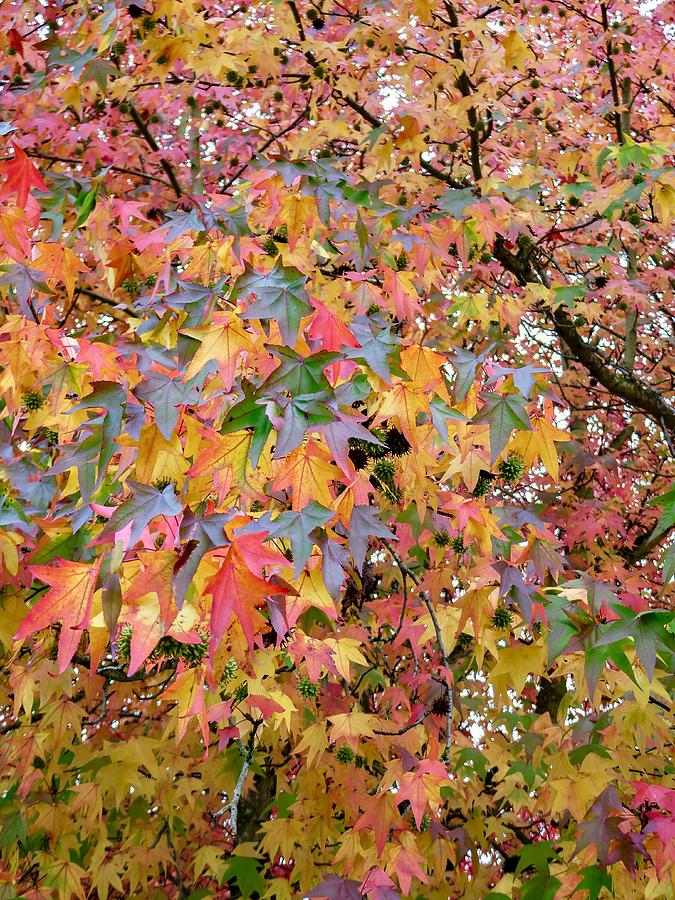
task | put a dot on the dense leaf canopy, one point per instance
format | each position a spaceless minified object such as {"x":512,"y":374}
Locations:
{"x":337,"y":430}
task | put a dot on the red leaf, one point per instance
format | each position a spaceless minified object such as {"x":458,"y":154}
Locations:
{"x":22,"y":175}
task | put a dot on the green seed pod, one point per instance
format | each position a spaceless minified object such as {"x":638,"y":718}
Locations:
{"x":402,"y":261}
{"x":33,"y":400}
{"x":442,"y":539}
{"x":163,"y":482}
{"x":385,"y":470}
{"x":270,"y":247}
{"x":511,"y":469}
{"x":458,"y":544}
{"x":307,"y":688}
{"x":502,"y":618}
{"x":230,"y":670}
{"x":241,"y":692}
{"x":345,"y":755}
{"x":483,"y":486}
{"x":123,"y":642}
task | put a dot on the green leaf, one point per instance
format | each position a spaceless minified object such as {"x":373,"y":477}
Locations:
{"x":503,"y":413}
{"x":246,"y":872}
{"x":541,"y":887}
{"x":649,"y":631}
{"x":578,"y":189}
{"x":85,"y":202}
{"x":144,"y":504}
{"x":536,"y":855}
{"x":667,"y":518}
{"x":299,"y":374}
{"x":280,"y":294}
{"x":568,"y":294}
{"x":594,"y":880}
{"x":249,"y":413}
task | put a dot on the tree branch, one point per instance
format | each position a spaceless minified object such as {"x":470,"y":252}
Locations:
{"x":144,"y":131}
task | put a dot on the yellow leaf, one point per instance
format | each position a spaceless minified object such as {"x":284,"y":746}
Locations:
{"x":222,"y":340}
{"x":60,"y":263}
{"x":210,"y":859}
{"x":403,"y":402}
{"x":423,"y":365}
{"x":539,"y":444}
{"x":314,"y":742}
{"x":664,"y":202}
{"x":9,"y":555}
{"x":351,"y":726}
{"x":516,"y":51}
{"x":513,"y":667}
{"x":312,"y":592}
{"x":297,"y":213}
{"x":345,"y":651}
{"x":158,"y":457}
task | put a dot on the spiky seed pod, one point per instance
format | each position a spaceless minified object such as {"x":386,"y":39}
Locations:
{"x":151,"y":280}
{"x":458,"y":545}
{"x":169,"y":647}
{"x":385,"y":470}
{"x":502,"y":619}
{"x":230,"y":670}
{"x":52,"y":437}
{"x":483,"y":485}
{"x":374,"y":450}
{"x":269,"y":246}
{"x":241,"y":692}
{"x":511,"y":469}
{"x":402,"y":261}
{"x":123,"y":642}
{"x":425,"y":824}
{"x":33,"y":400}
{"x":163,"y":482}
{"x":397,"y":442}
{"x":345,"y":755}
{"x":464,"y":640}
{"x":441,"y":706}
{"x":230,"y":76}
{"x":633,"y":216}
{"x":358,"y":455}
{"x":307,"y":688}
{"x":442,"y":539}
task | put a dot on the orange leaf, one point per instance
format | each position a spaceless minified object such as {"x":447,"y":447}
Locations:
{"x":307,"y":471}
{"x":68,"y":602}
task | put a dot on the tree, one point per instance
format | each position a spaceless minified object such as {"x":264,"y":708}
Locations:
{"x":337,"y":430}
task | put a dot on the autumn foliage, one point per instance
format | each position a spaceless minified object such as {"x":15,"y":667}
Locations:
{"x":337,"y":430}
